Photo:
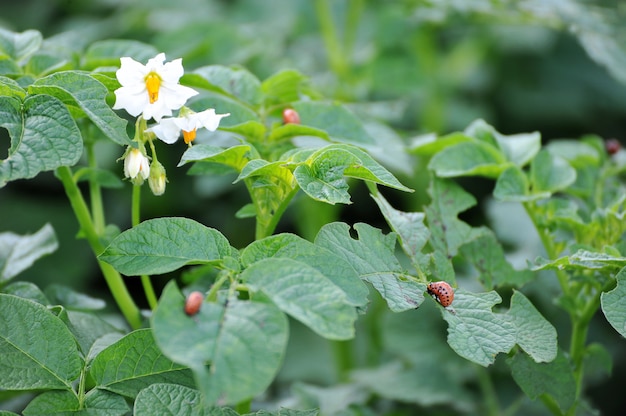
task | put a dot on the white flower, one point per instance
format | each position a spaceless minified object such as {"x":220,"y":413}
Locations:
{"x":136,"y":166}
{"x":151,"y":89}
{"x":169,"y":129}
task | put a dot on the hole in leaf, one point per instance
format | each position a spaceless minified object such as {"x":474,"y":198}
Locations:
{"x":5,"y":143}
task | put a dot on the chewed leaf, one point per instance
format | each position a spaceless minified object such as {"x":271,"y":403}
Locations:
{"x":372,"y":256}
{"x":475,"y":332}
{"x":535,"y":335}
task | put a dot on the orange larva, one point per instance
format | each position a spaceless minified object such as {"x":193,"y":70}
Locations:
{"x":193,"y":303}
{"x":291,"y":116}
{"x":442,"y":291}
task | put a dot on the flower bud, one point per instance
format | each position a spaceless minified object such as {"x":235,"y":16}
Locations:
{"x":136,"y":166}
{"x":157,"y":179}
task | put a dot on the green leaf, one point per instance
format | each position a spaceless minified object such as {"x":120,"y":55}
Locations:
{"x":410,"y":228}
{"x":284,"y":87}
{"x":96,"y":403}
{"x":20,"y":46}
{"x":554,"y":379}
{"x":108,"y":53}
{"x":322,"y":175}
{"x":38,"y":350}
{"x":340,"y":124}
{"x":550,"y":173}
{"x":290,"y":130}
{"x":304,"y":293}
{"x":448,"y":233}
{"x":468,"y":158}
{"x":70,"y":299}
{"x":430,"y":144}
{"x":239,"y":112}
{"x":88,"y":329}
{"x":133,"y":363}
{"x":614,"y":304}
{"x":235,"y":157}
{"x":43,"y":137}
{"x":517,"y":148}
{"x":581,"y":260}
{"x":253,"y":131}
{"x":11,"y":88}
{"x":83,"y":91}
{"x":168,"y":399}
{"x":27,"y":290}
{"x":372,"y":256}
{"x":234,"y":80}
{"x":487,"y":256}
{"x":535,"y":335}
{"x":513,"y":185}
{"x":474,"y":331}
{"x":162,"y":245}
{"x":243,"y":342}
{"x":325,"y":261}
{"x":18,"y":253}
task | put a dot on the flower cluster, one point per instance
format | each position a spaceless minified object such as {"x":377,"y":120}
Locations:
{"x":152,"y":92}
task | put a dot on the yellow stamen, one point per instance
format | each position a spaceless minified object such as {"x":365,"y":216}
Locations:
{"x":189,"y":136}
{"x":153,"y":82}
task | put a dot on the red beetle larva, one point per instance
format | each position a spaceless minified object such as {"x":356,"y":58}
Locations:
{"x":442,"y":291}
{"x":193,"y":303}
{"x":291,"y":116}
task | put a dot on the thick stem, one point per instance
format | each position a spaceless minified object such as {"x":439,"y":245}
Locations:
{"x":112,"y":277}
{"x":490,"y":399}
{"x":95,"y":192}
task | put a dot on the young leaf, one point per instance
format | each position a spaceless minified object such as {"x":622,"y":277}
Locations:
{"x":322,"y":176}
{"x":486,"y":255}
{"x":614,"y":304}
{"x":325,"y":261}
{"x":38,"y":350}
{"x":550,"y":173}
{"x":581,"y":260}
{"x":43,"y":137}
{"x":304,"y":293}
{"x":410,"y":228}
{"x":513,"y":185}
{"x":83,"y":91}
{"x":18,"y":253}
{"x":535,"y":335}
{"x":340,"y":124}
{"x":133,"y":363}
{"x":554,"y":379}
{"x":234,"y":80}
{"x":96,"y":403}
{"x":162,"y":245}
{"x":373,"y":258}
{"x":20,"y":46}
{"x":235,"y":157}
{"x":243,"y":342}
{"x":169,"y":399}
{"x":448,"y":233}
{"x":468,"y":158}
{"x":285,"y":86}
{"x":474,"y":331}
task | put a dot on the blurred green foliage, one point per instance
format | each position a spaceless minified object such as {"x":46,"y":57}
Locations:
{"x":558,"y":67}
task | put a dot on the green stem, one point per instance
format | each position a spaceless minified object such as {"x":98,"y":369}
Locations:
{"x":337,"y":59}
{"x":551,"y":404}
{"x":265,"y":227}
{"x":490,"y":399}
{"x":112,"y":277}
{"x":136,"y":219}
{"x":81,"y":389}
{"x":344,"y":359}
{"x":212,"y":295}
{"x":95,"y":192}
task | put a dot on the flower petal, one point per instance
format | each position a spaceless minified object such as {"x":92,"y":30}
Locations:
{"x":172,"y":71}
{"x":167,"y":130}
{"x":130,"y":72}
{"x":209,"y":119}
